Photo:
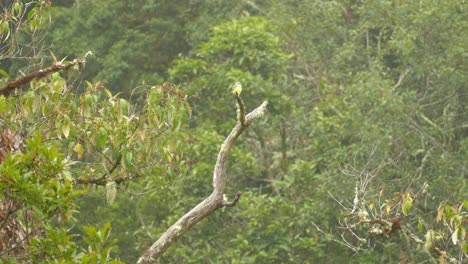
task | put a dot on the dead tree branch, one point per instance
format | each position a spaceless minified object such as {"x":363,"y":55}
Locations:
{"x":216,"y":200}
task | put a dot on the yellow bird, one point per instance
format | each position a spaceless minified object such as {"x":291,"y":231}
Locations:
{"x":235,"y":91}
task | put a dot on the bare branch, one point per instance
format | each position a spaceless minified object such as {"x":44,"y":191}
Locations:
{"x":401,"y":78}
{"x":216,"y":199}
{"x":233,"y":202}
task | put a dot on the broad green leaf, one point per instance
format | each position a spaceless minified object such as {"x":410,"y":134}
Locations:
{"x":17,"y":9}
{"x":129,"y":158}
{"x":3,"y":104}
{"x":420,"y":225}
{"x":101,"y":137}
{"x":407,"y":204}
{"x":6,"y":28}
{"x":108,"y":93}
{"x":4,"y":73}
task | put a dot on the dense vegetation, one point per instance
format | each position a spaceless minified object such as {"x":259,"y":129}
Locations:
{"x":361,"y":158}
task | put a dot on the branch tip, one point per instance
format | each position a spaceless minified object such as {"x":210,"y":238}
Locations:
{"x":233,"y":202}
{"x":240,"y":110}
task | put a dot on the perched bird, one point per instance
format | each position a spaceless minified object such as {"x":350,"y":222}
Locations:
{"x":235,"y":91}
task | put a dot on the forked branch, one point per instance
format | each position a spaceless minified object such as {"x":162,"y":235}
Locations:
{"x":213,"y":202}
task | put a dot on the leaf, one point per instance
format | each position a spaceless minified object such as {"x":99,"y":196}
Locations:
{"x":450,"y":212}
{"x":440,"y":214}
{"x":17,"y":9}
{"x":79,"y":150}
{"x":31,"y":13}
{"x":6,"y":28}
{"x":101,"y":137}
{"x":129,"y":158}
{"x":4,"y":73}
{"x":455,"y":237}
{"x":3,"y":104}
{"x":53,"y":56}
{"x":66,"y":126}
{"x":105,"y":231}
{"x":407,"y":204}
{"x":107,"y":92}
{"x":420,"y":225}
{"x":123,"y":107}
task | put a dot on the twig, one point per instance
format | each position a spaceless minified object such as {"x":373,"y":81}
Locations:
{"x":401,"y":78}
{"x":233,"y":202}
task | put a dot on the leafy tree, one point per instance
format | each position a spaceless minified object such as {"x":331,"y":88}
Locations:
{"x":55,"y":139}
{"x":245,"y":50}
{"x":133,"y":42}
{"x":105,"y":142}
{"x":372,"y":115}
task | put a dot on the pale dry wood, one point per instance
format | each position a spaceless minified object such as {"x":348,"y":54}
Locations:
{"x":216,"y":199}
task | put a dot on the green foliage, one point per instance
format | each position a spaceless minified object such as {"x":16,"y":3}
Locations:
{"x":455,"y":217}
{"x":36,"y":177}
{"x":361,"y":159}
{"x":248,"y":43}
{"x":133,"y":42}
{"x":88,"y":138}
{"x":100,"y":245}
{"x":359,"y":82}
{"x":17,"y":14}
{"x":56,"y":246}
{"x":377,"y":117}
{"x":244,"y":50}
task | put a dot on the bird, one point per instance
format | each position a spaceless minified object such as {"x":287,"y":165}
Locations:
{"x":236,"y":90}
